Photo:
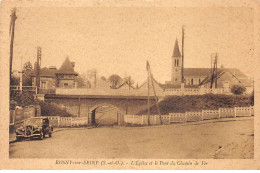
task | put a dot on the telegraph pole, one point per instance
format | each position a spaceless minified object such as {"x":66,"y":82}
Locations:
{"x":21,"y":76}
{"x":216,"y":79}
{"x":148,"y":83}
{"x":182,"y":53}
{"x":38,"y":68}
{"x":11,"y":31}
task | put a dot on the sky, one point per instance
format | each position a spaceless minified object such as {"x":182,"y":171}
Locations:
{"x":119,"y":40}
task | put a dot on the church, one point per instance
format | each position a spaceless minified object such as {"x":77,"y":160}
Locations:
{"x":201,"y":77}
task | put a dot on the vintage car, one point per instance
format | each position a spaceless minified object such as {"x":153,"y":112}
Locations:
{"x":34,"y":127}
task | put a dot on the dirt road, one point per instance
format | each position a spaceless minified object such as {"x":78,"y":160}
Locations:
{"x":224,"y":138}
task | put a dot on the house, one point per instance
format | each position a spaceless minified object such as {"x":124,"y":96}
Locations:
{"x":51,"y":78}
{"x":227,"y":77}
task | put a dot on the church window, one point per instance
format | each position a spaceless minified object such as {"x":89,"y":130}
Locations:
{"x":191,"y":81}
{"x":177,"y":62}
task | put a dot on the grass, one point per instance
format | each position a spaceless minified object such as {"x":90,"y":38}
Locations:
{"x":182,"y":104}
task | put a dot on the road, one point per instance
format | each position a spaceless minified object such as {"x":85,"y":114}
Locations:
{"x":218,"y":139}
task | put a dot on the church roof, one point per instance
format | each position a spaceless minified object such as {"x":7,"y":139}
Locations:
{"x":176,"y":50}
{"x":67,"y":67}
{"x":203,"y":72}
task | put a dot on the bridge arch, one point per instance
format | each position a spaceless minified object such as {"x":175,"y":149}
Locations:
{"x":116,"y":118}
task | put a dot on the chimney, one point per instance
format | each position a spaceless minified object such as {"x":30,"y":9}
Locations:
{"x":52,"y":67}
{"x":73,"y":64}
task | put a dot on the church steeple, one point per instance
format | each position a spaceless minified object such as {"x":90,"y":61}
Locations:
{"x":176,"y":50}
{"x":176,"y":65}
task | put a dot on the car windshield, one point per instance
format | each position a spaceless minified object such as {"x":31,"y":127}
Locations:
{"x":33,"y":121}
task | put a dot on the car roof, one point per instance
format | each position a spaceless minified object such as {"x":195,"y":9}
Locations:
{"x":38,"y":117}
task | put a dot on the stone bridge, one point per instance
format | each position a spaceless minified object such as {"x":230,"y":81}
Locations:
{"x":85,"y":105}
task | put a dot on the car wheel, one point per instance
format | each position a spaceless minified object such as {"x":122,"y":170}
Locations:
{"x":50,"y":135}
{"x":41,"y":135}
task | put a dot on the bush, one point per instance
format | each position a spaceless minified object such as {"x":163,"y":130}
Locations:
{"x":197,"y":103}
{"x":238,"y":89}
{"x":22,"y":99}
{"x":51,"y":109}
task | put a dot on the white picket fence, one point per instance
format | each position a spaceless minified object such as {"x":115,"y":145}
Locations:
{"x":58,"y":121}
{"x":190,"y":116}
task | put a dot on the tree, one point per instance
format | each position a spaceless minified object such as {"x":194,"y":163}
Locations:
{"x":115,"y":80}
{"x":14,"y":80}
{"x":80,"y":82}
{"x":238,"y":89}
{"x":103,"y":78}
{"x":27,"y":73}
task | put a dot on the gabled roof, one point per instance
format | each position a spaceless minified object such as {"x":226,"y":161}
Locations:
{"x":235,"y":73}
{"x":67,"y":67}
{"x":176,"y":50}
{"x":45,"y":72}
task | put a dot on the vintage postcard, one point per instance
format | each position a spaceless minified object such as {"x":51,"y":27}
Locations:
{"x":129,"y":84}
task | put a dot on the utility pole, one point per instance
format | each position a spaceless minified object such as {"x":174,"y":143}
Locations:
{"x":182,"y":53}
{"x":11,"y":31}
{"x":148,"y":83}
{"x":129,"y":82}
{"x":21,"y":76}
{"x":216,"y":79}
{"x":95,"y":78}
{"x":38,"y":68}
{"x":150,"y":76}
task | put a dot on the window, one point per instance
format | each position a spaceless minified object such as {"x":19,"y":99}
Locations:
{"x":65,"y":84}
{"x":177,"y":62}
{"x":43,"y":84}
{"x":199,"y":81}
{"x":191,"y":81}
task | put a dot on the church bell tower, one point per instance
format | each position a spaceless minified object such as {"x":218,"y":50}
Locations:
{"x":176,"y":77}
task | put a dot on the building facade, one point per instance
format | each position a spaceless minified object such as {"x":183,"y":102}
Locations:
{"x":51,"y":78}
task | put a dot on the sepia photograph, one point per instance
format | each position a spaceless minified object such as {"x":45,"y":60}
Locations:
{"x":128,"y":85}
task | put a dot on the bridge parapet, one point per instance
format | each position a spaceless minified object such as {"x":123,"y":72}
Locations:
{"x":103,"y":92}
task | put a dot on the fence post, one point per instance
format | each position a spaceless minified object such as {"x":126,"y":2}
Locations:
{"x":202,"y":115}
{"x":169,"y":118}
{"x":235,"y":112}
{"x":218,"y":113}
{"x":58,"y":121}
{"x":70,"y":121}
